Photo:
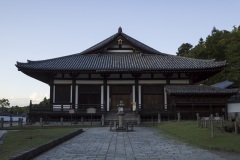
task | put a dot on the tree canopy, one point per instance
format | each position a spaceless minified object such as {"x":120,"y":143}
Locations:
{"x":219,"y":45}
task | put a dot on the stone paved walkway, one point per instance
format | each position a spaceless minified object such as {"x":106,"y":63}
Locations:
{"x":142,"y":144}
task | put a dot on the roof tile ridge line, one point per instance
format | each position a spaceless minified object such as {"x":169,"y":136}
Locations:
{"x":202,"y":60}
{"x":45,"y":60}
{"x":127,"y":36}
{"x":94,"y":47}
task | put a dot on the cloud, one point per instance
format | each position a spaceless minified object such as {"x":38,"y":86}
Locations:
{"x":36,"y":97}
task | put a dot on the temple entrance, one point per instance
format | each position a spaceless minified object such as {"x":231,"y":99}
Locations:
{"x":121,"y":92}
{"x":152,"y":102}
{"x":152,"y":97}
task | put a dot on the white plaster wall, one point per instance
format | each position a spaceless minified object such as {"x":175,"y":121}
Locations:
{"x":233,"y":107}
{"x":120,"y":50}
{"x":89,"y":81}
{"x":186,"y":81}
{"x":120,"y":82}
{"x":152,"y":81}
{"x":62,"y":82}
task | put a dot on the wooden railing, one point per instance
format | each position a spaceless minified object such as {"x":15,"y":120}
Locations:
{"x":66,"y":107}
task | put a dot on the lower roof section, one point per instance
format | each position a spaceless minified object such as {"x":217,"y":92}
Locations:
{"x":197,"y":90}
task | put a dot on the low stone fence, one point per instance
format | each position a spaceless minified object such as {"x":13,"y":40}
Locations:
{"x":128,"y":126}
{"x":40,"y":149}
{"x":204,"y":122}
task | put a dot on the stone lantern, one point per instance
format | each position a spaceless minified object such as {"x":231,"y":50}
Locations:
{"x":120,"y":114}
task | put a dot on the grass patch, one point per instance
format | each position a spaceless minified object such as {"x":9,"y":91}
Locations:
{"x":188,"y":131}
{"x":17,"y":141}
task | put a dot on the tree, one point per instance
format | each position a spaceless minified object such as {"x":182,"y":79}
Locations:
{"x":219,"y":45}
{"x":184,"y":49}
{"x":4,"y":103}
{"x":45,"y":102}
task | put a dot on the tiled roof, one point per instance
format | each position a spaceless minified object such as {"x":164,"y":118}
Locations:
{"x":197,"y":89}
{"x":148,"y":60}
{"x":121,"y":62}
{"x":135,"y":42}
{"x":224,"y":84}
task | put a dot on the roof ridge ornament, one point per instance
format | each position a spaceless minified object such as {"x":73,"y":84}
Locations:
{"x":120,"y":30}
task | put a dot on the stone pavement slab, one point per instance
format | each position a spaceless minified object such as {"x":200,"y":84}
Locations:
{"x":144,"y":143}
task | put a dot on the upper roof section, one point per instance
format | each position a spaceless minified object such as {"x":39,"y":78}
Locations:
{"x":119,"y":40}
{"x":121,"y":53}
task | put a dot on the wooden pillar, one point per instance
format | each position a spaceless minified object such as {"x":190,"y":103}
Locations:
{"x":192,"y":110}
{"x":73,"y":93}
{"x":136,"y":93}
{"x":211,"y":108}
{"x":226,"y":111}
{"x":105,"y":94}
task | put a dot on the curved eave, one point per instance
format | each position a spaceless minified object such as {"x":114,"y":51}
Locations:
{"x":210,"y":93}
{"x":164,"y":70}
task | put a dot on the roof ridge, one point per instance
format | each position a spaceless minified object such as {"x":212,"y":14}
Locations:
{"x":136,"y":42}
{"x":200,"y":60}
{"x":103,"y":42}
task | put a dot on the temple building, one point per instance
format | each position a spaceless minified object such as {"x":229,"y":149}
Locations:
{"x":120,"y":67}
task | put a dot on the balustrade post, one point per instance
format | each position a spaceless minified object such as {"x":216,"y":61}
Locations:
{"x":11,"y":122}
{"x":61,"y":121}
{"x":1,"y":123}
{"x":159,"y":118}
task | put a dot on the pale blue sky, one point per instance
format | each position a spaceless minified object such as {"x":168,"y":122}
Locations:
{"x":44,"y":29}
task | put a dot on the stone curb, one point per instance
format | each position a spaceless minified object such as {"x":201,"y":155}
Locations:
{"x":40,"y":149}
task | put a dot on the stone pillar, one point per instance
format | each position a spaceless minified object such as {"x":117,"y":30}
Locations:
{"x":120,"y":121}
{"x":236,"y":127}
{"x":212,"y":127}
{"x":1,"y":123}
{"x":110,"y":124}
{"x":61,"y":121}
{"x":102,"y":120}
{"x":82,"y":121}
{"x":222,"y":121}
{"x":179,"y":116}
{"x":41,"y":122}
{"x":138,"y":119}
{"x":115,"y":125}
{"x":198,"y":119}
{"x":159,"y":118}
{"x":126,"y":127}
{"x":205,"y":123}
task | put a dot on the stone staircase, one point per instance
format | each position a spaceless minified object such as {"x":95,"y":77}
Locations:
{"x":128,"y":117}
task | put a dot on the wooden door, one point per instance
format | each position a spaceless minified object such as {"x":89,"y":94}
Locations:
{"x":115,"y":100}
{"x":152,"y":101}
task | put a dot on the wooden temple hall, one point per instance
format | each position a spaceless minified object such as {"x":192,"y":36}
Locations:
{"x":120,"y":67}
